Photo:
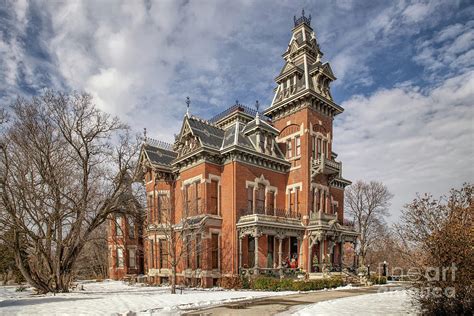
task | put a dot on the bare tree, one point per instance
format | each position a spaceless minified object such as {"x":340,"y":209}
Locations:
{"x":367,"y":204}
{"x":64,"y":168}
{"x":93,"y":259}
{"x":438,"y":236}
{"x":182,"y":234}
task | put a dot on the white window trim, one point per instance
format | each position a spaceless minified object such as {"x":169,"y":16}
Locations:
{"x":128,"y":255}
{"x":219,"y":233}
{"x":293,"y":135}
{"x":293,"y":186}
{"x":192,"y":180}
{"x":217,"y":178}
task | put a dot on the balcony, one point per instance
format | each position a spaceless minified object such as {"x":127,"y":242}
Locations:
{"x":323,"y":165}
{"x":269,"y":216}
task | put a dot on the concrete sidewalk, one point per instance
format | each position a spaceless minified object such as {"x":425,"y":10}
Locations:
{"x":279,"y":304}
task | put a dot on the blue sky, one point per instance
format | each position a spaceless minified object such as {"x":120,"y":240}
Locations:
{"x":405,"y":71}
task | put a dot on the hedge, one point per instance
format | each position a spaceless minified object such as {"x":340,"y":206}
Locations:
{"x":378,"y":280}
{"x":273,"y":284}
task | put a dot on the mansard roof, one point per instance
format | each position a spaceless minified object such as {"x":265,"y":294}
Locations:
{"x":209,"y":134}
{"x":234,"y":136}
{"x":259,"y":123}
{"x":158,"y":153}
{"x":237,"y":135}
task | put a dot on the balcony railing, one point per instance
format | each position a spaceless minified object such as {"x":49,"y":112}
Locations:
{"x":271,"y":212}
{"x":325,"y":165}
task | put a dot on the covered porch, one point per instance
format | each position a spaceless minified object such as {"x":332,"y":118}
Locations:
{"x":270,"y":250}
{"x":326,"y":248}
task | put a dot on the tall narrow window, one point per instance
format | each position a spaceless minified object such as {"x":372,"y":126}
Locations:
{"x":152,"y":254}
{"x":250,"y":199}
{"x":262,"y":143}
{"x":198,"y":251}
{"x":118,"y":225}
{"x":198,"y":208}
{"x":213,"y":199}
{"x":188,"y":199}
{"x":325,"y":148}
{"x":260,"y":202}
{"x":298,"y":199}
{"x":131,"y":227}
{"x":119,"y":257}
{"x":188,"y":253}
{"x":215,"y":251}
{"x":150,"y":208}
{"x":163,"y":208}
{"x":292,"y":201}
{"x":313,"y":146}
{"x":271,"y":203}
{"x":319,"y":147}
{"x":163,"y":253}
{"x":318,"y":199}
{"x":132,"y":258}
{"x":288,"y":148}
{"x":297,"y":146}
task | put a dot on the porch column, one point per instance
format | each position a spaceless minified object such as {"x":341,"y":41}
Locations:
{"x":280,"y":255}
{"x":310,"y":253}
{"x":280,"y":251}
{"x":321,"y":251}
{"x":341,"y":253}
{"x":240,"y":252}
{"x":256,"y":252}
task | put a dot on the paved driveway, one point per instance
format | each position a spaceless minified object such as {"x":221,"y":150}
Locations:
{"x":275,"y":305}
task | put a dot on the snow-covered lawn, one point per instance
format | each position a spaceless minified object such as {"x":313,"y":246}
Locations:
{"x":384,"y":303}
{"x":114,"y":297}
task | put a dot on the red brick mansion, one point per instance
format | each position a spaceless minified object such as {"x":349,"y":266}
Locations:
{"x":263,"y":190}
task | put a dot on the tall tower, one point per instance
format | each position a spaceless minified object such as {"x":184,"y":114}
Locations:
{"x":303,"y":110}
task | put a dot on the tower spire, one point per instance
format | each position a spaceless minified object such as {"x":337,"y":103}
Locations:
{"x":188,"y":102}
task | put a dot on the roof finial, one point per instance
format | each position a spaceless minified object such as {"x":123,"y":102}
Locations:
{"x":257,"y":116}
{"x":188,"y":102}
{"x":236,"y":101}
{"x":144,"y":136}
{"x":302,"y":19}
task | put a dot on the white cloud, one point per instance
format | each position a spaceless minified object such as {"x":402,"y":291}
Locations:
{"x":451,"y":50}
{"x":413,"y":141}
{"x":140,"y":59}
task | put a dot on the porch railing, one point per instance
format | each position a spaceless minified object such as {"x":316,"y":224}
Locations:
{"x":271,"y":212}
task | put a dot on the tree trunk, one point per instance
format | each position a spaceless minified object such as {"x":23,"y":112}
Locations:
{"x":173,"y":279}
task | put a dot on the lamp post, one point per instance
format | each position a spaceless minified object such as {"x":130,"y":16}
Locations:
{"x":385,"y":268}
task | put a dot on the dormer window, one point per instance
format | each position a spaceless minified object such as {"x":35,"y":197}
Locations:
{"x":269,"y":145}
{"x":262,"y":143}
